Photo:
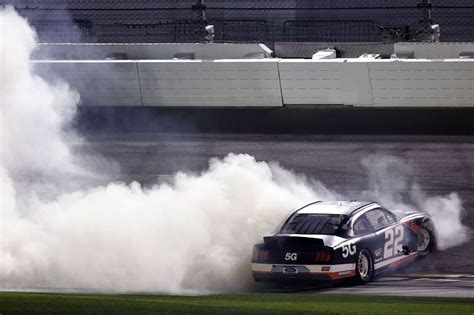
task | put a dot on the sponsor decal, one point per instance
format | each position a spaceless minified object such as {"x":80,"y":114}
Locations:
{"x":348,"y":249}
{"x":291,"y":256}
{"x":325,"y":268}
{"x":345,"y":273}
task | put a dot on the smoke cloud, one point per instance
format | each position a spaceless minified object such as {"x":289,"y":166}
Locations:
{"x":59,"y":228}
{"x":391,"y":184}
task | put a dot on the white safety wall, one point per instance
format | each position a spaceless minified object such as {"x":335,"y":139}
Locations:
{"x":325,"y":82}
{"x":311,"y":82}
{"x":408,"y":83}
{"x":171,"y":82}
{"x":269,"y":82}
{"x":210,"y":83}
{"x":99,"y":83}
{"x":422,"y":83}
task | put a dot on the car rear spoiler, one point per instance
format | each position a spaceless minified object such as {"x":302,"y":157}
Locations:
{"x":292,"y":241}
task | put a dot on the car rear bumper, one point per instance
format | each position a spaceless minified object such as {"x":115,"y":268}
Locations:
{"x":276,"y":272}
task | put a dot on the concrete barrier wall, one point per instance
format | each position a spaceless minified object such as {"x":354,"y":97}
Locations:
{"x":171,"y":82}
{"x":424,"y":83}
{"x":306,"y":82}
{"x":269,"y":82}
{"x":210,"y":83}
{"x":99,"y":83}
{"x":311,"y":82}
{"x":411,"y":83}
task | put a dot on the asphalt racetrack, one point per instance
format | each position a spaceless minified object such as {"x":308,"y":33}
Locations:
{"x":441,"y":165}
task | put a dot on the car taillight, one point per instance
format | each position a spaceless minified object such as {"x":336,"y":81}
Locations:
{"x":262,"y":255}
{"x":323,"y":256}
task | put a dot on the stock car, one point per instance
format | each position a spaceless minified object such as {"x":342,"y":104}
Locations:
{"x":335,"y":240}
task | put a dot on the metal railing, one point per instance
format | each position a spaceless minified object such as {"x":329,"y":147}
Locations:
{"x":263,"y":21}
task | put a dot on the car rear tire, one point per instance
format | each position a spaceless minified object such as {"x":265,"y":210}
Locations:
{"x":364,"y":267}
{"x":426,"y":240}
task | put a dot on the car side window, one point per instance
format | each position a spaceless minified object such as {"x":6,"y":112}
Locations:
{"x":377,"y":219}
{"x":362,"y":225}
{"x":390,"y":216}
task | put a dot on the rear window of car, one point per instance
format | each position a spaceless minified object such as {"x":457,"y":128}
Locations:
{"x":328,"y":224}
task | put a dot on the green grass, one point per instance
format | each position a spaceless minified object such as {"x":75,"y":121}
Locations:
{"x":49,"y":303}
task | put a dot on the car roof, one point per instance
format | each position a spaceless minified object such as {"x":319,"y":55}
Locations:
{"x":333,"y":207}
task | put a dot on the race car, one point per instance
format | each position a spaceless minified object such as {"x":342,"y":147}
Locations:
{"x":337,"y":240}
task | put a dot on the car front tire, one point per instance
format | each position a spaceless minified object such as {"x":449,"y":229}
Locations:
{"x":364,"y":267}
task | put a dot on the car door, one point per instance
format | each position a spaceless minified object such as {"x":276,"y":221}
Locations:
{"x":389,"y":235}
{"x":363,"y":233}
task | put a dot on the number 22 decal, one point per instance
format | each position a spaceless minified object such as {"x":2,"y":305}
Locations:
{"x":393,"y":242}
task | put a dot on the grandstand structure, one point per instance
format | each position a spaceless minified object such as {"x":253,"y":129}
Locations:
{"x":263,"y":21}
